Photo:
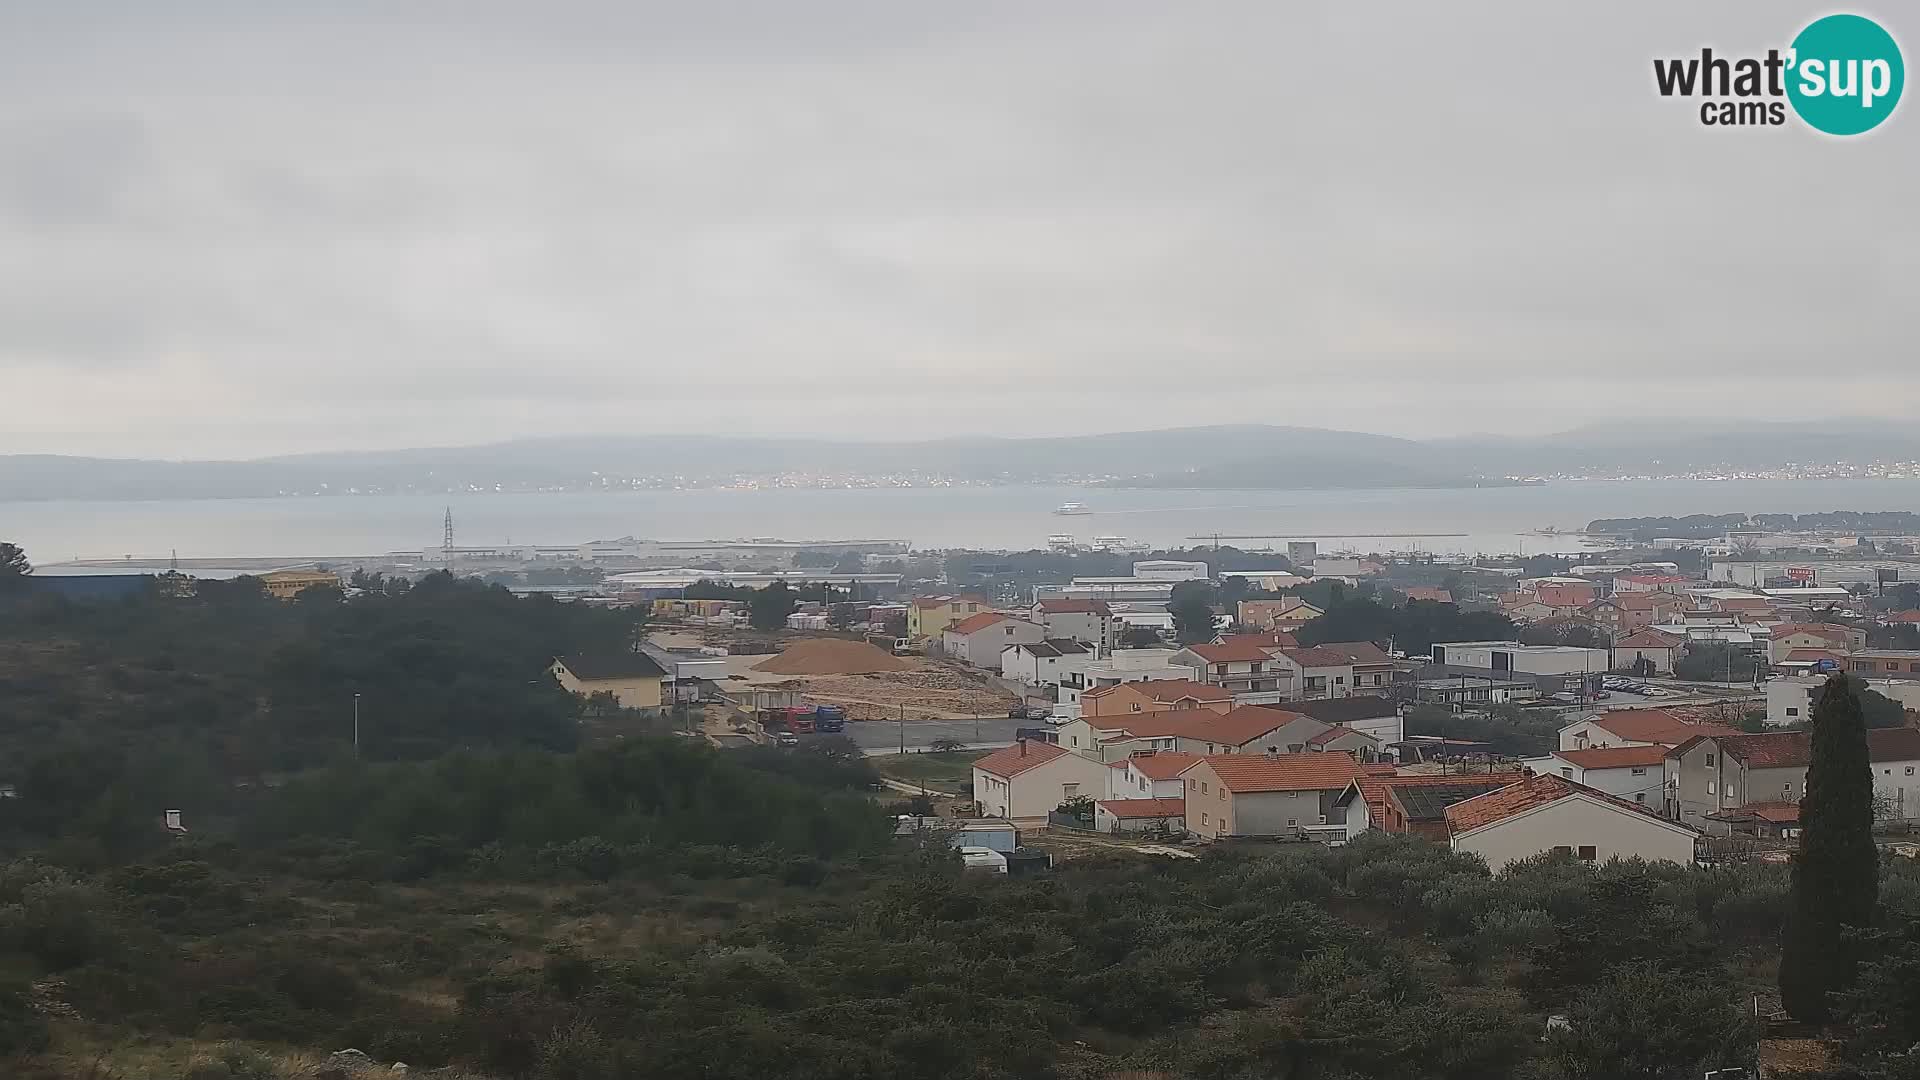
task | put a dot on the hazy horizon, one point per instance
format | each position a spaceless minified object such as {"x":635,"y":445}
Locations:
{"x":239,"y":232}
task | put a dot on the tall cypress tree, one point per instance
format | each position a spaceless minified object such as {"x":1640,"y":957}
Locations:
{"x":1836,"y":880}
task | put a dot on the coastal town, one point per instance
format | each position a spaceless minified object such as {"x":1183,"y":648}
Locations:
{"x":1277,"y":694}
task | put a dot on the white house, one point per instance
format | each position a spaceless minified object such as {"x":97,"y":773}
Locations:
{"x":1368,"y":713}
{"x":1634,"y":727}
{"x":1252,"y":674}
{"x":1029,"y":779}
{"x":980,"y":639}
{"x":1651,"y":646}
{"x":1140,"y":815}
{"x":1636,"y":774}
{"x":1043,"y":663}
{"x":1149,"y":774}
{"x":1089,"y":622}
{"x":1550,"y":813}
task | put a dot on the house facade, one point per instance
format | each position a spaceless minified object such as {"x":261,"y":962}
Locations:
{"x":1268,"y":795}
{"x":1712,"y":775}
{"x":1089,"y":622}
{"x":1043,"y":663}
{"x":929,"y":616}
{"x":1242,"y":668}
{"x":1649,"y":649}
{"x":1634,"y":727}
{"x":1140,"y":815}
{"x":634,"y":679}
{"x":1636,"y":774}
{"x":980,"y":639}
{"x":1153,"y":695}
{"x":1027,"y":780}
{"x":1550,"y":813}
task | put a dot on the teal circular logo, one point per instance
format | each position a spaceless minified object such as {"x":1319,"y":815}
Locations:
{"x":1845,"y":74}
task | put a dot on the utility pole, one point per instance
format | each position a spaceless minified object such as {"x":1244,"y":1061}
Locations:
{"x":356,"y":724}
{"x":903,"y":731}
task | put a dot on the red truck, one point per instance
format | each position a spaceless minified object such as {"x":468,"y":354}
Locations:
{"x":794,"y":718}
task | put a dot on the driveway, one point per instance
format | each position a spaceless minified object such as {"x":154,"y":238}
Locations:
{"x":883,"y":737}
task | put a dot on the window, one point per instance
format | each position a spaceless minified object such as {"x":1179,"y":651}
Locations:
{"x":1291,"y":822}
{"x":1709,"y":760}
{"x":1909,"y":770}
{"x":1562,"y":849}
{"x":1203,"y":818}
{"x":1639,"y":796}
{"x":1203,"y":788}
{"x":1069,"y":790}
{"x":1587,"y":853}
{"x":1566,"y":771}
{"x":1710,"y":790}
{"x":1223,"y":794}
{"x":1340,"y":680}
{"x":1792,"y":711}
{"x":1638,"y":770}
{"x":1193,"y":785}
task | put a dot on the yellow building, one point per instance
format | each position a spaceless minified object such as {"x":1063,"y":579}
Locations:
{"x":633,"y":678}
{"x":929,"y":616}
{"x":287,"y":584}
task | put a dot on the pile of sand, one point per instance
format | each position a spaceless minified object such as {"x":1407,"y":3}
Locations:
{"x":831,"y":656}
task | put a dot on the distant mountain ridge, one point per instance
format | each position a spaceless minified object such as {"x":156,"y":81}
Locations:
{"x":1246,"y":456}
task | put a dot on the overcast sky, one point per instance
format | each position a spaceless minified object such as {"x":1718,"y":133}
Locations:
{"x":233,"y":229}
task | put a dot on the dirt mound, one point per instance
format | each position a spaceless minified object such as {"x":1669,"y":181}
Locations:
{"x":831,"y":656}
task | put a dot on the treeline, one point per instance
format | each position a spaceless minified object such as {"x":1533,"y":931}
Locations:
{"x":113,"y":711}
{"x":1706,"y":526}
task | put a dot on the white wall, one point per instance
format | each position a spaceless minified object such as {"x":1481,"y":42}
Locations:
{"x":1575,"y":821}
{"x":1646,"y":788}
{"x":1035,"y":792}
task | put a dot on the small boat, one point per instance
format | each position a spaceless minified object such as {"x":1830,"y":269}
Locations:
{"x":1073,"y":509}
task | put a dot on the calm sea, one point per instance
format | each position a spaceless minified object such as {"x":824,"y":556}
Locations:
{"x":1492,"y":520}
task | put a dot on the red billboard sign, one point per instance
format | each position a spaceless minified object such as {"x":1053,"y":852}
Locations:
{"x":1800,"y":573}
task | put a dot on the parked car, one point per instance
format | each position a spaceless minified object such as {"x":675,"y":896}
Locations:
{"x":788,"y":738}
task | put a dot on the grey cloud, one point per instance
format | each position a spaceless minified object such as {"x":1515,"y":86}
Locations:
{"x":360,"y":224}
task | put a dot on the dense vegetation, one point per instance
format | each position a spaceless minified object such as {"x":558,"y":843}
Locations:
{"x":479,"y":892}
{"x":110,"y":712}
{"x":1707,"y":526}
{"x":1413,"y":627}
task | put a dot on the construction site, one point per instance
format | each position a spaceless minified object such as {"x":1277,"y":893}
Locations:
{"x":868,"y":682}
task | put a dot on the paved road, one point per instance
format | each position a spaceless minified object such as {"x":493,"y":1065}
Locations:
{"x":883,"y":736}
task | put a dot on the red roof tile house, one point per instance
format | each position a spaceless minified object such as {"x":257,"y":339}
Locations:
{"x":1089,"y":622}
{"x":928,"y":616}
{"x":1243,"y":668}
{"x":1140,"y":815}
{"x":1637,"y":774}
{"x":1155,"y":695}
{"x":1551,"y":813}
{"x":1149,"y":774}
{"x":1268,"y":795}
{"x":1830,"y":637}
{"x":1029,"y":779}
{"x":1634,"y":727}
{"x":1712,"y":774}
{"x":1245,"y":730}
{"x":1413,"y":803}
{"x":1650,"y":651}
{"x":1339,"y":669}
{"x":980,"y":639}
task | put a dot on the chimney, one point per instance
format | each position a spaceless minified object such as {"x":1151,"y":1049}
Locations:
{"x":1023,"y":747}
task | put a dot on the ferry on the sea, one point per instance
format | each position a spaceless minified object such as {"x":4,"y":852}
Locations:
{"x":1073,"y":509}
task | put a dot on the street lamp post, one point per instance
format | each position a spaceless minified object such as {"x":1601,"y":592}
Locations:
{"x":356,"y":725}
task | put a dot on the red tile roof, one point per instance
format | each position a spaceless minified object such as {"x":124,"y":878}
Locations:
{"x":1153,"y":725}
{"x":1379,"y":768}
{"x":1794,"y":749}
{"x":1564,"y":595}
{"x":1819,"y":630}
{"x":1318,"y":656}
{"x":1271,"y":639}
{"x":1358,"y":652}
{"x":1614,"y":757}
{"x":1779,"y":813}
{"x":1639,"y":601}
{"x":1908,"y":616}
{"x":1656,"y":579}
{"x":1374,"y":785}
{"x":1233,"y":651}
{"x":1010,"y":761}
{"x":1648,"y":639}
{"x":1534,"y":791}
{"x":1167,"y":690}
{"x":1239,"y":727}
{"x":976,"y":622}
{"x":1171,"y":807}
{"x":1810,"y":656}
{"x":1330,"y":735}
{"x":1160,"y":765}
{"x":1248,"y":773}
{"x":1072,"y":607}
{"x":1655,"y":726}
